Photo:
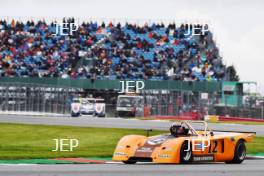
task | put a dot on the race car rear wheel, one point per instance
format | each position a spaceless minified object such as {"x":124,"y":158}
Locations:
{"x":185,"y":155}
{"x":129,"y":162}
{"x":240,"y":153}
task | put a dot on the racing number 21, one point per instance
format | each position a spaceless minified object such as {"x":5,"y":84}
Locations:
{"x":213,"y":146}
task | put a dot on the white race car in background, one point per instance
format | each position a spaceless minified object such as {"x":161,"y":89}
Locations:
{"x":88,"y":106}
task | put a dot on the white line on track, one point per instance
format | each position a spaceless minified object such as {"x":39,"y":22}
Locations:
{"x":18,"y":164}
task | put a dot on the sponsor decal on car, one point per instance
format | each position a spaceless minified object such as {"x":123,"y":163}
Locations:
{"x":163,"y":156}
{"x":98,"y":108}
{"x":203,"y":158}
{"x":144,"y":149}
{"x":120,"y":154}
{"x":158,"y":140}
{"x":76,"y":108}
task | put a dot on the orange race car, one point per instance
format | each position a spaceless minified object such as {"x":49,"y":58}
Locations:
{"x":184,"y":145}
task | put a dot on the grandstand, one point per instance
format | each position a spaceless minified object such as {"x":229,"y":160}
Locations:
{"x":108,"y":51}
{"x":184,"y":73}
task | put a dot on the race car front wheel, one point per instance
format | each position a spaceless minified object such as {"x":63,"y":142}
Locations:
{"x":239,"y":153}
{"x":186,"y":153}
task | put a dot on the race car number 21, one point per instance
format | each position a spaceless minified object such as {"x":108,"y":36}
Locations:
{"x":213,"y":148}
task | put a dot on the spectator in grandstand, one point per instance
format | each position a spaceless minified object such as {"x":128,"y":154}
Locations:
{"x":131,"y":51}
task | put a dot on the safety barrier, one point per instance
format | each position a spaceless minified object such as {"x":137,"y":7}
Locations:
{"x":107,"y":84}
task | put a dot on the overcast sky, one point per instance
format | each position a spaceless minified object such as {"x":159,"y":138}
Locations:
{"x":237,"y":24}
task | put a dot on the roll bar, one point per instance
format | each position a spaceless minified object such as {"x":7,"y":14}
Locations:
{"x":193,"y":131}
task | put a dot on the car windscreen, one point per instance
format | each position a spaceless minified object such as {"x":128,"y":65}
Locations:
{"x":88,"y":102}
{"x":76,"y":101}
{"x":126,"y":101}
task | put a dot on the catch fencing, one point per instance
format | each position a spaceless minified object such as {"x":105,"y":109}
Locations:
{"x":56,"y":99}
{"x":35,"y":98}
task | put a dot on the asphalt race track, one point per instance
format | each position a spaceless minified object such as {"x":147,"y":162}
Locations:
{"x":248,"y":167}
{"x":119,"y":123}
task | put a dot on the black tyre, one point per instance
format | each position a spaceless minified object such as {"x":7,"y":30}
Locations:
{"x":240,"y":153}
{"x":102,"y":115}
{"x":75,"y":114}
{"x":129,"y":162}
{"x":120,"y":114}
{"x":185,"y":154}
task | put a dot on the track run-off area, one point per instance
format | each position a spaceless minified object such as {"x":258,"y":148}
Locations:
{"x":120,"y":123}
{"x":248,"y":167}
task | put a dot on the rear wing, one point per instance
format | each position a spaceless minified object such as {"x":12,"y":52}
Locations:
{"x":246,"y":135}
{"x":234,"y":131}
{"x":228,"y":131}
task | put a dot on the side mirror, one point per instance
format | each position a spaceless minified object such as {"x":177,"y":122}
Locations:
{"x":148,"y":131}
{"x":211,"y":133}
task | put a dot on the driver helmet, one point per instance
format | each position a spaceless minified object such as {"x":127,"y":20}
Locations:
{"x":177,"y":130}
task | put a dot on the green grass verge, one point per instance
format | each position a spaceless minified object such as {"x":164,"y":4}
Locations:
{"x":18,"y":141}
{"x":256,"y":146}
